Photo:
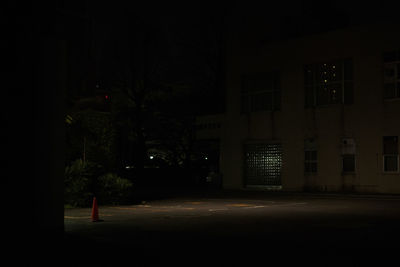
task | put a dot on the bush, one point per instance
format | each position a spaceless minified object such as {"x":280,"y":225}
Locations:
{"x":114,"y":189}
{"x":77,"y":183}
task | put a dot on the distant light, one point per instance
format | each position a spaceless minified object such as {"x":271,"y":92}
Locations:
{"x":151,"y":157}
{"x":334,"y":66}
{"x":106,"y":97}
{"x":205,"y":158}
{"x":326,"y":81}
{"x":97,"y":86}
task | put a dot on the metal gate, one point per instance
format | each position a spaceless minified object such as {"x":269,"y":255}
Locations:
{"x":263,"y":163}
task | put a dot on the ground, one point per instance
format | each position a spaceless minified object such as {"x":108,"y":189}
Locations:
{"x":239,"y":228}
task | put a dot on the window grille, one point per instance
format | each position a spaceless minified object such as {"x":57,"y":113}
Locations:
{"x":263,"y":163}
{"x":390,"y":154}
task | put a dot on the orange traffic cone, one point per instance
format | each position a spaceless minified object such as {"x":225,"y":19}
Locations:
{"x":95,"y":211}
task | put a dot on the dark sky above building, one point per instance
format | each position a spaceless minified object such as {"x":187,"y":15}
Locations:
{"x":189,"y":36}
{"x":188,"y":27}
{"x":289,"y":19}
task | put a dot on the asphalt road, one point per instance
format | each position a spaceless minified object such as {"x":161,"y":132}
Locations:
{"x":242,"y":229}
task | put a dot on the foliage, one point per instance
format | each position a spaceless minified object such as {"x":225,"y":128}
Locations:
{"x":77,"y":182}
{"x":114,"y":189}
{"x":92,"y":135}
{"x":83,"y":180}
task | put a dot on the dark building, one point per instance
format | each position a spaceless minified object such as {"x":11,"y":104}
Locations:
{"x":311,"y":110}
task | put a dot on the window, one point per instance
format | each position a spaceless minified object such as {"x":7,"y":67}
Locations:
{"x":329,"y":83}
{"x":391,"y":75}
{"x":310,"y":156}
{"x":263,"y":163}
{"x":261,"y":92}
{"x":348,"y":155}
{"x":348,"y":163}
{"x":390,"y":154}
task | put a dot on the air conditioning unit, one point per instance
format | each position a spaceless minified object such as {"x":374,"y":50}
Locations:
{"x":348,"y":146}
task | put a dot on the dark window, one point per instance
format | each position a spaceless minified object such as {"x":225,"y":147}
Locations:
{"x":390,"y":154}
{"x":349,"y":163}
{"x":391,"y":75}
{"x":310,"y":156}
{"x":329,"y":83}
{"x":261,"y":92}
{"x":348,"y":155}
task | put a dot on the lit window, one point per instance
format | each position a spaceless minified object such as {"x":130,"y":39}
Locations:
{"x":263,"y":164}
{"x":329,"y":83}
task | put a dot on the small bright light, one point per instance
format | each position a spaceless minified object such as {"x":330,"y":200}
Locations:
{"x":151,"y":157}
{"x":205,"y":158}
{"x":127,"y":167}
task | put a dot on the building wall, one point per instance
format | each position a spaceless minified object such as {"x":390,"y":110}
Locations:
{"x":367,"y":120}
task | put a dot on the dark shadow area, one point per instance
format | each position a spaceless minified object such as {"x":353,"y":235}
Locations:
{"x":162,"y":183}
{"x":325,"y":234}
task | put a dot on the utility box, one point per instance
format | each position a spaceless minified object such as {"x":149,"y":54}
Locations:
{"x":348,"y":146}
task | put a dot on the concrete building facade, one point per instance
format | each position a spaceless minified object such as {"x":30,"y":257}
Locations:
{"x":318,"y":113}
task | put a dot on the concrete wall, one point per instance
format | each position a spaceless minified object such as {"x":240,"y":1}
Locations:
{"x":49,"y":133}
{"x":367,"y":120}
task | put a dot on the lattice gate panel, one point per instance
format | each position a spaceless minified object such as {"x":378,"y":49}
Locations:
{"x":263,"y":163}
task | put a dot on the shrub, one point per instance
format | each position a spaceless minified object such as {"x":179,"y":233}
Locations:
{"x":114,"y":189}
{"x":77,"y":183}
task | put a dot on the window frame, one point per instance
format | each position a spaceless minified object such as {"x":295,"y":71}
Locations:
{"x":313,"y":87}
{"x":395,"y":61}
{"x":259,"y":169}
{"x":247,"y":96}
{"x":384,"y":160}
{"x":384,"y":155}
{"x":312,"y":147}
{"x":355,"y":164}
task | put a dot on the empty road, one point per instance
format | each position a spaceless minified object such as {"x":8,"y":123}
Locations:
{"x":243,"y":228}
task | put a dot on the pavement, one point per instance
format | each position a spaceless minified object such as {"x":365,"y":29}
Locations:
{"x":241,"y":228}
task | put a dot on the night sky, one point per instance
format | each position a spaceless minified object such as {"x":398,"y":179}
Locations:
{"x":185,"y":46}
{"x":190,"y":36}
